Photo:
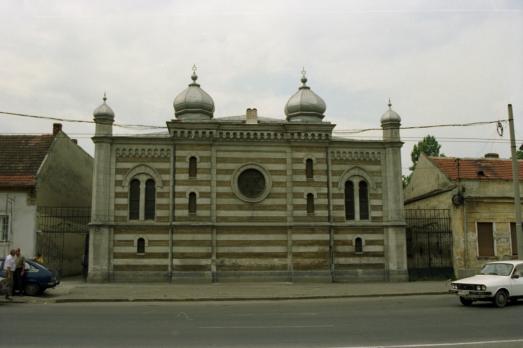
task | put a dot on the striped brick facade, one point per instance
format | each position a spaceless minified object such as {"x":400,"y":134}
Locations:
{"x":228,"y":237}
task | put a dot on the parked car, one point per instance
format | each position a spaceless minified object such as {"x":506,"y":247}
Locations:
{"x":497,"y":282}
{"x":37,"y":278}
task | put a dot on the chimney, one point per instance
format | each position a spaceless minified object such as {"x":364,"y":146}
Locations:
{"x":491,"y":155}
{"x":251,"y":116}
{"x":75,"y":141}
{"x":57,"y":127}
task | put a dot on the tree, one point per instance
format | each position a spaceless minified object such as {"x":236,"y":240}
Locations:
{"x":519,"y":154}
{"x":429,"y":146}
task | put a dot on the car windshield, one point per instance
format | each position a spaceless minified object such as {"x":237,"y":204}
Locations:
{"x":501,"y":269}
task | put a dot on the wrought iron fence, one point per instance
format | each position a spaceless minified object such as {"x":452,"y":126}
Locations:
{"x":62,"y":236}
{"x":429,"y":243}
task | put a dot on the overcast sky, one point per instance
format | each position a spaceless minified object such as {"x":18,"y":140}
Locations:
{"x":439,"y":61}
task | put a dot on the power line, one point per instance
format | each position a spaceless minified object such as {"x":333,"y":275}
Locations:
{"x":350,"y":131}
{"x":356,"y":131}
{"x":130,"y":126}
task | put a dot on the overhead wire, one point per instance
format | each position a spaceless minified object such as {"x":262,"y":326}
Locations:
{"x":341,"y":132}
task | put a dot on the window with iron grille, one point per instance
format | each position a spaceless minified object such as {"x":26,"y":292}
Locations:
{"x":349,"y":200}
{"x":308,"y":169}
{"x":310,"y":203}
{"x":150,"y":199}
{"x":364,"y":200}
{"x":4,"y":228}
{"x":134,"y":200}
{"x":192,"y":167}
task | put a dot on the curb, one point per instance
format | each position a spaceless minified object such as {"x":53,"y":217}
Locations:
{"x":237,"y":299}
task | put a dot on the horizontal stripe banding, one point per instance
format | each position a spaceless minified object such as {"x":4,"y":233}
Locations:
{"x":363,"y":256}
{"x":133,"y":255}
{"x":366,"y":266}
{"x":137,"y":268}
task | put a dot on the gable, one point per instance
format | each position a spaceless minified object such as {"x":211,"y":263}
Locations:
{"x":20,"y":158}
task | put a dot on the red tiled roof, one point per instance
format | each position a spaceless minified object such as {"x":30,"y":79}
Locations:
{"x":20,"y":158}
{"x":476,"y":169}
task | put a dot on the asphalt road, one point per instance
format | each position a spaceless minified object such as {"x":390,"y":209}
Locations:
{"x":414,"y":321}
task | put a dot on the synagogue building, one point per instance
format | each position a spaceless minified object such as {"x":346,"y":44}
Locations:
{"x":246,"y":197}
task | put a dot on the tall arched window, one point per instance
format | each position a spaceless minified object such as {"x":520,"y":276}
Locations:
{"x":310,"y":203}
{"x":140,"y":246}
{"x":309,"y":174}
{"x":364,"y":200}
{"x":150,"y":199}
{"x":192,"y":203}
{"x":134,"y":200}
{"x":358,"y":245}
{"x":192,"y":167}
{"x":349,"y":200}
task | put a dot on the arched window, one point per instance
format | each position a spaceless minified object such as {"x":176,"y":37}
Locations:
{"x":134,"y":200}
{"x":140,"y":246}
{"x":150,"y":199}
{"x":310,"y":203}
{"x":192,"y":167}
{"x":309,"y":174}
{"x":192,"y":203}
{"x":349,"y":200}
{"x":364,"y":200}
{"x":358,"y":245}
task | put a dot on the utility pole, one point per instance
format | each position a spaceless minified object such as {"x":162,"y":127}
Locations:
{"x":515,"y":181}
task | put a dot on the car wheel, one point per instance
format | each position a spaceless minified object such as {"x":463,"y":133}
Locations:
{"x":32,"y":289}
{"x":501,"y":298}
{"x":465,"y":301}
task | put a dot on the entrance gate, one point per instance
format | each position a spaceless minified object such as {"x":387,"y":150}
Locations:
{"x":61,"y":238}
{"x":429,"y":244}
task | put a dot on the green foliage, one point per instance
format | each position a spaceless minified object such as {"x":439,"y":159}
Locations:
{"x":519,"y":155}
{"x":428,"y":145}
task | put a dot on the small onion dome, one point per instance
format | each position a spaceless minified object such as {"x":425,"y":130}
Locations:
{"x":390,"y":116}
{"x":104,"y":111}
{"x":305,"y":105}
{"x":193,"y":103}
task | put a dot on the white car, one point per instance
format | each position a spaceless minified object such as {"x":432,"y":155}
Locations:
{"x":498,"y":282}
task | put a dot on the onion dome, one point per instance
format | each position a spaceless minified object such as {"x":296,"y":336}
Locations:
{"x":193,"y":103}
{"x":390,"y":116}
{"x":104,"y":111}
{"x":305,"y":105}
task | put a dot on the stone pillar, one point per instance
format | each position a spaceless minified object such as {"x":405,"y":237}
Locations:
{"x":100,"y":231}
{"x":393,"y":210}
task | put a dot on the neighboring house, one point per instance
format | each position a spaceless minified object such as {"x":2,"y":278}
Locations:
{"x":37,"y":172}
{"x":246,"y":197}
{"x":479,"y":195}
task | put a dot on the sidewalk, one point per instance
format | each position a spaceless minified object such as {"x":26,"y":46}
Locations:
{"x":76,"y":290}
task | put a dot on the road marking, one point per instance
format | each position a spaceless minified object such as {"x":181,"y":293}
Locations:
{"x":266,"y":327}
{"x":454,"y":344}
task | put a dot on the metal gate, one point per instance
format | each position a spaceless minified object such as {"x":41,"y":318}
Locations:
{"x":429,"y":244}
{"x":61,"y":238}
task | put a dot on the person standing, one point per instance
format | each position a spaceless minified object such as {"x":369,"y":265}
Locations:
{"x":39,"y":258}
{"x":19,"y":272}
{"x":9,"y":269}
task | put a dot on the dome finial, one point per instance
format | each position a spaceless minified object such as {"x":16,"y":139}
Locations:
{"x":303,"y":76}
{"x":105,"y":97}
{"x":194,"y":77}
{"x":389,"y":104}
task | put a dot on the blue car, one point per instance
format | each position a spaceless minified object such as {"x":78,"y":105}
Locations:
{"x":37,"y":278}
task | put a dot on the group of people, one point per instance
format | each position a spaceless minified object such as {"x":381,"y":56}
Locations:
{"x":14,"y":271}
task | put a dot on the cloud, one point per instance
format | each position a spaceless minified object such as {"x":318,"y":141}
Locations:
{"x":440,"y":62}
